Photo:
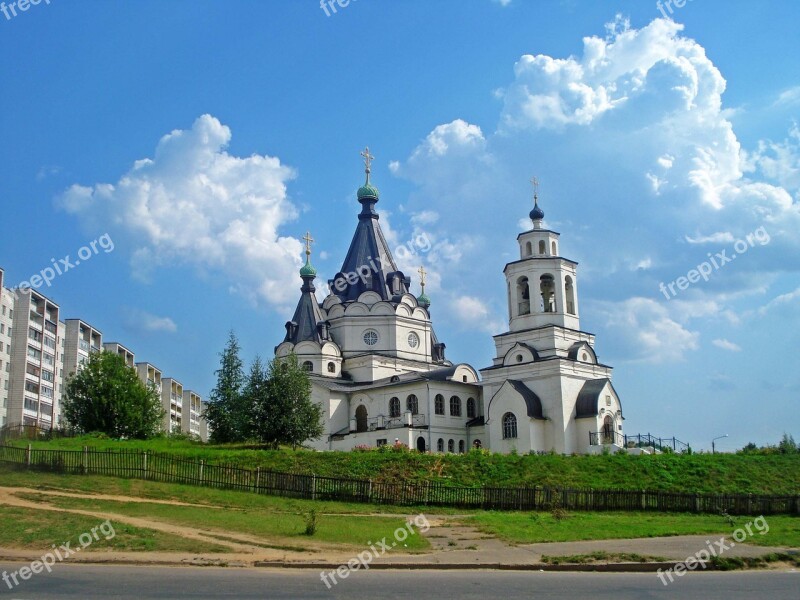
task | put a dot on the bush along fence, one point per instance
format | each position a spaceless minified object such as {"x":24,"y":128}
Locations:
{"x":170,"y":469}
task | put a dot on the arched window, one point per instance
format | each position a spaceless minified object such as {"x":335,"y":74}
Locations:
{"x":455,"y":406}
{"x":471,"y":413}
{"x":440,"y":445}
{"x":509,"y":426}
{"x":308,"y":366}
{"x":331,"y":367}
{"x":528,"y":249}
{"x":361,"y":418}
{"x":421,"y":444}
{"x":438,"y":404}
{"x":542,"y":247}
{"x":548,"y":289}
{"x":461,"y":446}
{"x":451,"y":446}
{"x":555,"y":251}
{"x":569,"y":291}
{"x":523,"y":296}
{"x":412,"y":404}
{"x":394,"y":407}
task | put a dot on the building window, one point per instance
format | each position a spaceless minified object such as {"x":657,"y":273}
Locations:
{"x":509,"y":426}
{"x":555,"y":250}
{"x":608,"y":400}
{"x":394,"y":407}
{"x":361,"y":418}
{"x":528,"y":250}
{"x":451,"y":446}
{"x":523,"y":297}
{"x":440,"y":445}
{"x":331,"y":367}
{"x":455,"y":406}
{"x":471,"y":413}
{"x":370,"y":337}
{"x":413,"y":340}
{"x":569,"y":292}
{"x":308,"y":366}
{"x":382,"y":442}
{"x":412,"y":404}
{"x":541,"y":247}
{"x":547,"y":287}
{"x":461,"y":446}
{"x":438,"y":404}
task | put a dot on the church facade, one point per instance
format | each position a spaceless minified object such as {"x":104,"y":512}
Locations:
{"x":380,"y":374}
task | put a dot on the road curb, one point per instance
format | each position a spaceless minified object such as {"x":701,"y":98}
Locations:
{"x":598,"y":567}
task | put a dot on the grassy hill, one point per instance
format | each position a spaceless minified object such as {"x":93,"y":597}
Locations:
{"x":719,"y":473}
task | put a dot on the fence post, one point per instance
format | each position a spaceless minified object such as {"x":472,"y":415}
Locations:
{"x":202,"y":464}
{"x":258,"y":478}
{"x":28,"y":456}
{"x":313,"y":486}
{"x":643,"y":499}
{"x":369,"y":492}
{"x":750,"y":503}
{"x":697,"y":502}
{"x":144,"y":467}
{"x":85,"y":460}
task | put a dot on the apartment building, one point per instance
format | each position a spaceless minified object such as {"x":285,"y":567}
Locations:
{"x":150,"y":375}
{"x":120,"y":350}
{"x":192,"y":411}
{"x":36,"y":361}
{"x":81,"y":339}
{"x":172,"y":403}
{"x":6,"y":316}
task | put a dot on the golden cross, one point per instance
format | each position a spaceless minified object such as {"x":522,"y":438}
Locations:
{"x":308,"y":240}
{"x":368,"y":158}
{"x":535,"y":183}
{"x":422,"y":272}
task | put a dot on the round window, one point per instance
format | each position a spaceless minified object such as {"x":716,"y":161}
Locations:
{"x":370,"y":337}
{"x":413,"y":340}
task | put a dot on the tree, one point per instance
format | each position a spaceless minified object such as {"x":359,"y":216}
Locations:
{"x":256,"y":394}
{"x":283,"y":412}
{"x":106,"y":395}
{"x":787,"y":445}
{"x":226,"y":412}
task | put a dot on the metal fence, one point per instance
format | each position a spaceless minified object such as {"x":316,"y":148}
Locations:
{"x":171,"y":469}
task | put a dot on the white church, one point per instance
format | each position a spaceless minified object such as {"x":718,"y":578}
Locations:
{"x":380,"y":373}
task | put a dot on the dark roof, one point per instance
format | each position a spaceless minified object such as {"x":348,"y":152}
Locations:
{"x":476,"y":422}
{"x":588,"y":403}
{"x":532,"y":401}
{"x":303,"y":326}
{"x":394,"y":380}
{"x":369,"y":255}
{"x":527,"y":258}
{"x":576,"y":347}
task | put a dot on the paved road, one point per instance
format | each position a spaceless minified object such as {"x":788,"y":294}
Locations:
{"x":68,"y":582}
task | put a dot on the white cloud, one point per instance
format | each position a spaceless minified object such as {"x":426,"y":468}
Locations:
{"x":194,"y":204}
{"x":140,"y":320}
{"x":473,"y":313}
{"x":648,"y":331}
{"x":784,"y":302}
{"x":726,"y":345}
{"x":720,"y":237}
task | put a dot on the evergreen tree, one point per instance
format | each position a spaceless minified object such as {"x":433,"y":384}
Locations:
{"x":106,"y":395}
{"x":257,"y":395}
{"x":285,"y":413}
{"x":226,"y":411}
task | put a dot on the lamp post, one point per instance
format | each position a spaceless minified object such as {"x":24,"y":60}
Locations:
{"x":713,"y":447}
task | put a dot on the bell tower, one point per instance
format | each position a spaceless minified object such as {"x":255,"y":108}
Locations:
{"x":542,"y":286}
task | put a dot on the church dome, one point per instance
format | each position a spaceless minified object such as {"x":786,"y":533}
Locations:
{"x":308,"y":270}
{"x":423,"y":300}
{"x":367,"y":191}
{"x":537,"y":214}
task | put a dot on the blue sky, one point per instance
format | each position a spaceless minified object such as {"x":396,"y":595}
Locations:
{"x":205,"y":138}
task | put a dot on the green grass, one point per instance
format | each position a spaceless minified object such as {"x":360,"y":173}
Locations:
{"x":594,"y":557}
{"x":719,"y":473}
{"x":528,"y":528}
{"x":285,"y":527}
{"x":39,"y":529}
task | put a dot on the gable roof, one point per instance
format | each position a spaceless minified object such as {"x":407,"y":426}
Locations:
{"x":532,"y":401}
{"x":588,"y":402}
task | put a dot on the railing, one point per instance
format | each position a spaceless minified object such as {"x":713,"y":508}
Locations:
{"x":377,"y":423}
{"x":172,"y":469}
{"x":602,"y":438}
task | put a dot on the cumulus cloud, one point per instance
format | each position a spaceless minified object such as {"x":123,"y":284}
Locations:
{"x":143,"y":321}
{"x":727,"y":345}
{"x":474,"y":313}
{"x":194,"y":204}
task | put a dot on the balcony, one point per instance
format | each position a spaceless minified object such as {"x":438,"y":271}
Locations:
{"x":381,"y":422}
{"x":83,"y":345}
